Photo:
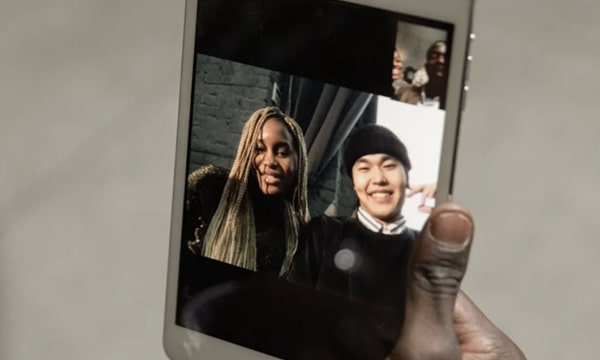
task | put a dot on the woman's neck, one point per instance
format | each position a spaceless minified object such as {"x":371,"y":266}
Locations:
{"x":268,"y":209}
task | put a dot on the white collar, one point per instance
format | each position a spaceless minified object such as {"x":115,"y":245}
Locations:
{"x":393,"y":228}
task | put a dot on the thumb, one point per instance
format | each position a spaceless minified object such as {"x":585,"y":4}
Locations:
{"x":436,"y":268}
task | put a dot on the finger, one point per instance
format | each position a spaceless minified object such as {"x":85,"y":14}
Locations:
{"x":415,"y":190}
{"x":429,"y":192}
{"x":423,"y":200}
{"x":425,"y":209}
{"x":436,"y":269}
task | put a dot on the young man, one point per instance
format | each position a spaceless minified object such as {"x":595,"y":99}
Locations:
{"x":365,"y":257}
{"x":400,"y":282}
{"x":361,"y":256}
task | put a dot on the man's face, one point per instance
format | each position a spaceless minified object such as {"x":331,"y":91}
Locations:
{"x":436,"y":60}
{"x":380,"y":184}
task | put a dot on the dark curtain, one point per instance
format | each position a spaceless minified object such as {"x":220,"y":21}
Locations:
{"x":327,"y":114}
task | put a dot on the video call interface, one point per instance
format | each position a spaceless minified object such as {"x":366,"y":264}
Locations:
{"x":333,"y":67}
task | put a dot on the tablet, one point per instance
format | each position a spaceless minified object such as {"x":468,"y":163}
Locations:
{"x":333,"y":66}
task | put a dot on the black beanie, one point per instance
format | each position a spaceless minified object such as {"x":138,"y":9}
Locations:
{"x":374,"y":139}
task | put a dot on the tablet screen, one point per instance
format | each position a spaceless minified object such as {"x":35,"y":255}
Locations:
{"x":333,"y":67}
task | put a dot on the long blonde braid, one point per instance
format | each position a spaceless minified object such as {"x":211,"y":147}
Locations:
{"x":231,"y":235}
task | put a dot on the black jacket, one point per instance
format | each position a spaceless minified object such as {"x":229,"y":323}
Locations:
{"x":344,"y":258}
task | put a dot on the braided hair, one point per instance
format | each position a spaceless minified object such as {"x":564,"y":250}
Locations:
{"x":231,"y":235}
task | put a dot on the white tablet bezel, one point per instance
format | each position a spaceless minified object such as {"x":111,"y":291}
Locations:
{"x":181,"y":343}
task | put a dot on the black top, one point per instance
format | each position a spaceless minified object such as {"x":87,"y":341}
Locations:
{"x":205,"y":187}
{"x":270,"y":230}
{"x":344,"y":258}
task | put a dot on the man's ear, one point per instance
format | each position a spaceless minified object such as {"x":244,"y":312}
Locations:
{"x":406,"y":183}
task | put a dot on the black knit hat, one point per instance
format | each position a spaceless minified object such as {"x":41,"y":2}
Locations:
{"x":374,"y":139}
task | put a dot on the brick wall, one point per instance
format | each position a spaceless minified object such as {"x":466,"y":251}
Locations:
{"x":225,"y":96}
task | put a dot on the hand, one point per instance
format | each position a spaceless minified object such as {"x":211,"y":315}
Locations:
{"x":440,"y":321}
{"x":427,"y":191}
{"x":478,"y":337}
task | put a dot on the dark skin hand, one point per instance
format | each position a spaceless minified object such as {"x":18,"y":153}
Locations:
{"x":441,"y":322}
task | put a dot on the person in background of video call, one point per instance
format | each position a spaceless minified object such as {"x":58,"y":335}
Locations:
{"x":429,"y":84}
{"x":251,"y":216}
{"x":398,"y":80}
{"x":366,"y":258}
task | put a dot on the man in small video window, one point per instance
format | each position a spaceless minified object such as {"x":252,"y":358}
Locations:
{"x":365,"y":257}
{"x":429,"y":83}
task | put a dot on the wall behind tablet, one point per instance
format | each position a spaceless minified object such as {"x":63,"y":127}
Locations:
{"x":529,"y":170}
{"x":88,"y":105}
{"x":89,"y":97}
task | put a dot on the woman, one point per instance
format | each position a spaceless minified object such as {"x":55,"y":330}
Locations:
{"x":261,"y":202}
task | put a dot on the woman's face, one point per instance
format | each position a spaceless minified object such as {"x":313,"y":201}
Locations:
{"x":398,"y":65}
{"x":276,"y":159}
